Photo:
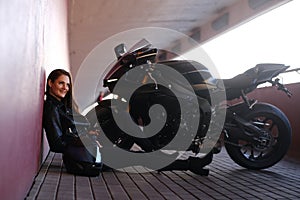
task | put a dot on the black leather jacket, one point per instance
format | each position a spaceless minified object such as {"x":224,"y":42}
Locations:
{"x":59,"y":125}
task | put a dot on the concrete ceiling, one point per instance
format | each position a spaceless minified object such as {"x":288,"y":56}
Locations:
{"x":119,"y":15}
{"x":93,"y":21}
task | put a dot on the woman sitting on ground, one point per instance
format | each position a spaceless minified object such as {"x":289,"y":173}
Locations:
{"x":82,"y":158}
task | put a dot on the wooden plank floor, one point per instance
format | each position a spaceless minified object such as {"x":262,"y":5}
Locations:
{"x":226,"y":180}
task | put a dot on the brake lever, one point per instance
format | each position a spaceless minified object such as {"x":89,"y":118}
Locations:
{"x":281,"y":87}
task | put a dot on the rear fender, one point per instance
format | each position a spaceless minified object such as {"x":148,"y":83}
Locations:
{"x":243,"y":109}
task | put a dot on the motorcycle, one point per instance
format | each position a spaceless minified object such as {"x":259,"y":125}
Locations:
{"x":256,"y":135}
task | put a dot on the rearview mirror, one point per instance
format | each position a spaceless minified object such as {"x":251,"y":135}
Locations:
{"x":120,"y":50}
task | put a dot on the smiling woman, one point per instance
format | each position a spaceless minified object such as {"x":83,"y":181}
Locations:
{"x":73,"y":138}
{"x":59,"y":87}
{"x":59,"y":84}
{"x":58,"y":97}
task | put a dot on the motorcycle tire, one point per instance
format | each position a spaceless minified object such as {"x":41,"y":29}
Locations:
{"x":276,"y":124}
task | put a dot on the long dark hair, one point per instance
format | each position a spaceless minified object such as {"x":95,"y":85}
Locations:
{"x":68,"y":99}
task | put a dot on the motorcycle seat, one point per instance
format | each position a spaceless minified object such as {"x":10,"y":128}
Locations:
{"x":240,"y":81}
{"x":235,"y":85}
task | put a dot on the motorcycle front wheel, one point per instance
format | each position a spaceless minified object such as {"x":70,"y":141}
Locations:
{"x":271,"y":146}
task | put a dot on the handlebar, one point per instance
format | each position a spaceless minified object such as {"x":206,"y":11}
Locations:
{"x":293,"y":70}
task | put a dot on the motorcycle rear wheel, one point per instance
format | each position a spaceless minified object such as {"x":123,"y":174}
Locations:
{"x":278,"y":134}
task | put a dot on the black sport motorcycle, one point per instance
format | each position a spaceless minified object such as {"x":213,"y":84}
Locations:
{"x":256,"y":135}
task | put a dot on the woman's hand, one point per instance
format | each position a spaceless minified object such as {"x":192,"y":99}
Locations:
{"x":96,"y":133}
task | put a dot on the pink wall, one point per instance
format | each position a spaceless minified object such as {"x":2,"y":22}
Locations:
{"x":290,"y":106}
{"x":33,"y":41}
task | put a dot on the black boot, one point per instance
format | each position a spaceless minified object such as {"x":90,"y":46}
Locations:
{"x":106,"y":168}
{"x":176,"y":165}
{"x":194,"y":164}
{"x":197,"y":164}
